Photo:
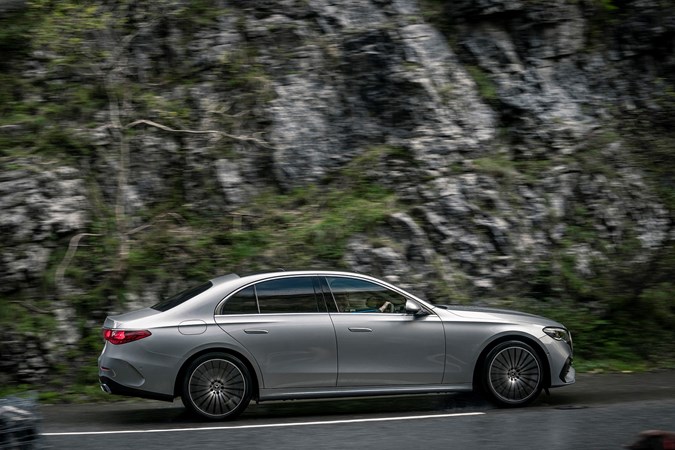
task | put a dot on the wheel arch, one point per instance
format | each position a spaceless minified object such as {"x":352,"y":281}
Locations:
{"x":254,"y":374}
{"x":532,"y":342}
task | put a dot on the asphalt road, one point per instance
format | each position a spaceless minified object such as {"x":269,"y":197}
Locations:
{"x":601,"y":411}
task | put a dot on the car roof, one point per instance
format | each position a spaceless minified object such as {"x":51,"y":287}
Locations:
{"x":244,"y":279}
{"x":233,"y":281}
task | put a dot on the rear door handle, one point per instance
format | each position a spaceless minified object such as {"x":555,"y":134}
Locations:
{"x":256,"y":331}
{"x":360,"y":330}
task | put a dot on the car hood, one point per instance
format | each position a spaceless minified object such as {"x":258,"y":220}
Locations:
{"x":478,"y":312}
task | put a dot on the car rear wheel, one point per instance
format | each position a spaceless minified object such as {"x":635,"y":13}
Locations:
{"x":217,"y":386}
{"x":513,"y":374}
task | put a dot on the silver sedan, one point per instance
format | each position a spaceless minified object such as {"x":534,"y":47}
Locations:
{"x":312,"y":334}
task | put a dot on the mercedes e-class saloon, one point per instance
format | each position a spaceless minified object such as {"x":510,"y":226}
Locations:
{"x":313,"y":334}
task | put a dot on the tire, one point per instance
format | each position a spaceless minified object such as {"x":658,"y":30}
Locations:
{"x":216,"y":386}
{"x":513,"y":374}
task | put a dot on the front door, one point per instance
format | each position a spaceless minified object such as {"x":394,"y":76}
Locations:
{"x":379,"y":344}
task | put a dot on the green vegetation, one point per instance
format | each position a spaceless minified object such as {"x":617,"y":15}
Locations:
{"x":486,"y":87}
{"x":308,"y":227}
{"x":607,"y":5}
{"x":625,"y":289}
{"x":622,"y":312}
{"x":498,"y":166}
{"x":435,"y":12}
{"x":622,"y":317}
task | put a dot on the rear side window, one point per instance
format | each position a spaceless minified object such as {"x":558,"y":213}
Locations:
{"x":288,"y":295}
{"x":284,"y":295}
{"x":243,"y":302}
{"x":181,"y":297}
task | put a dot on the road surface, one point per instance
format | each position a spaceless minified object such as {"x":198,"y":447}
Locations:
{"x":601,"y":411}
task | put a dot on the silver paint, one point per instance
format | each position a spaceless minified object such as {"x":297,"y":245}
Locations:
{"x":427,"y":349}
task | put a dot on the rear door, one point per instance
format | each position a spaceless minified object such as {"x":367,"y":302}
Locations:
{"x":378,"y":343}
{"x":284,"y":324}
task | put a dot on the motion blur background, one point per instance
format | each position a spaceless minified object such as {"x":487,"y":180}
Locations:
{"x":512,"y":153}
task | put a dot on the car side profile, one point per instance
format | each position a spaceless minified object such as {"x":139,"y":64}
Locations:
{"x":318,"y":334}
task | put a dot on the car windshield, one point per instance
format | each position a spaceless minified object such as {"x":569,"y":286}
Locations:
{"x":182,"y":297}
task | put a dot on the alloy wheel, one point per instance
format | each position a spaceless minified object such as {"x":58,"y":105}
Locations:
{"x":217,"y":387}
{"x":514,"y":374}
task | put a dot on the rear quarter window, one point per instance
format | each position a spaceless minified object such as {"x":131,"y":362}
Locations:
{"x":243,"y":302}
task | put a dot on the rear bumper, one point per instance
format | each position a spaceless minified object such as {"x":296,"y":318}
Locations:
{"x":113,"y":387}
{"x":132,"y":371}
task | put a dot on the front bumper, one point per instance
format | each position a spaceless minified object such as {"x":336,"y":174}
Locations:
{"x":568,"y":374}
{"x":560,"y":360}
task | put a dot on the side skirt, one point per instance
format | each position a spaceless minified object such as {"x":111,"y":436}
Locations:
{"x":362,"y":391}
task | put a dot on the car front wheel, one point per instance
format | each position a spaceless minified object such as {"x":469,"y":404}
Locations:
{"x":217,"y":386}
{"x":513,"y":374}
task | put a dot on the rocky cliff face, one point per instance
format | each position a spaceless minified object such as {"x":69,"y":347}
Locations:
{"x":489,"y":149}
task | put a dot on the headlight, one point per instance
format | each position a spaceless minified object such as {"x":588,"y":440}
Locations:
{"x":559,"y":334}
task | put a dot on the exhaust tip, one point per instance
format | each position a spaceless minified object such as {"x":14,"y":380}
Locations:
{"x":105,"y":388}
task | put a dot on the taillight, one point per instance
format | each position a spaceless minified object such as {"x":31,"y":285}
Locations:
{"x":117,"y":337}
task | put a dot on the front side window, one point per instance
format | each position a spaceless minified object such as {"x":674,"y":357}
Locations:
{"x":354,"y":295}
{"x":288,"y":295}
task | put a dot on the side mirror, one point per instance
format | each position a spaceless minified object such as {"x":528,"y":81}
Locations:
{"x":414,"y":309}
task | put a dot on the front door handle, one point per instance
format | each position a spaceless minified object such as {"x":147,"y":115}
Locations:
{"x":256,"y":331}
{"x":360,"y":330}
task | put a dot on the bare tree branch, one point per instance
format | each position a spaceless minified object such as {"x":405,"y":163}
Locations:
{"x":30,"y":307}
{"x":176,"y":216}
{"x":212,"y":132}
{"x":224,"y":112}
{"x":117,"y":108}
{"x":114,"y":73}
{"x":65,"y":262}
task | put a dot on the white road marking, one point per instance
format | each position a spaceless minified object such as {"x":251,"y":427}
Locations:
{"x":270,"y":425}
